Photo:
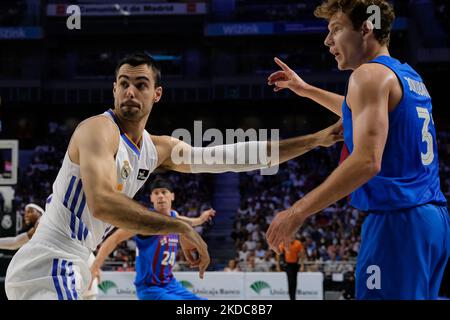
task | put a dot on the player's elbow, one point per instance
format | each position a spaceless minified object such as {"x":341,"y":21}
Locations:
{"x":100,"y":205}
{"x":368,"y":162}
{"x":98,"y":211}
{"x":371,"y":167}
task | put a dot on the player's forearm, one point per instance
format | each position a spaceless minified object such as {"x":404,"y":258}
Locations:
{"x":191,"y":221}
{"x":291,"y":148}
{"x":350,"y":175}
{"x":123,"y":212}
{"x":252,"y":155}
{"x":105,"y":250}
{"x":13,"y":243}
{"x":329,"y":100}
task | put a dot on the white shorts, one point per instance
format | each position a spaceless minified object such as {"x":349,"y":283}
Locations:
{"x":45,"y":269}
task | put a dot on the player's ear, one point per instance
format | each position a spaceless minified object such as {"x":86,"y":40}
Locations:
{"x":114,"y":88}
{"x":158,"y":94}
{"x":172,"y":196}
{"x":367,"y":28}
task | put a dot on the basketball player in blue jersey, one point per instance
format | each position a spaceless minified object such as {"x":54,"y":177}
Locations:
{"x":109,"y":158}
{"x":392,"y":168}
{"x":155,"y":255}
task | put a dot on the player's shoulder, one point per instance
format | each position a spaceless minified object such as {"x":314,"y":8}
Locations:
{"x":98,"y":124}
{"x":372,"y":74}
{"x":164,"y":142}
{"x":95,"y":131}
{"x":161,"y":139}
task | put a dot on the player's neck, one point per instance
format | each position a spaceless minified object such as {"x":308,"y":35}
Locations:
{"x":134,"y":130}
{"x":373,"y":54}
{"x":380,"y":51}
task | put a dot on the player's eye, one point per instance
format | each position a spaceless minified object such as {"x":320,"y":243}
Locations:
{"x":124,"y":84}
{"x":141,"y":86}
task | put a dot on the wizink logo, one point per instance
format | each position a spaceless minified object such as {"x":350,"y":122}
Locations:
{"x":187,"y":284}
{"x":258,"y":286}
{"x":236,"y":150}
{"x":106,"y":285}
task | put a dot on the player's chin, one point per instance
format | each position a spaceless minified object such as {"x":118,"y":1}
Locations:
{"x":341,"y":66}
{"x":130,"y":113}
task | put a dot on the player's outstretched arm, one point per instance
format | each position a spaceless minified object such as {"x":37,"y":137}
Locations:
{"x":13,"y":243}
{"x":368,"y":98}
{"x":294,"y":147}
{"x":287,"y":78}
{"x":177,"y":155}
{"x":93,"y":146}
{"x":105,"y":250}
{"x":204,"y":217}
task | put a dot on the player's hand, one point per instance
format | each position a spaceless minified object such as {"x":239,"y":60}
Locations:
{"x":31,"y":232}
{"x":207,"y":215}
{"x":189,"y":251}
{"x":195,"y":251}
{"x":287,"y":78}
{"x":283,"y":229}
{"x":331,"y":135}
{"x":95,"y":272}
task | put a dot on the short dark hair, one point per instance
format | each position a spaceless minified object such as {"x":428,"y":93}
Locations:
{"x":139,"y":58}
{"x":356,"y":10}
{"x":161,"y":183}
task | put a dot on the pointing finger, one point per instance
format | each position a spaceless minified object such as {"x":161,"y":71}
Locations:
{"x":282,"y":64}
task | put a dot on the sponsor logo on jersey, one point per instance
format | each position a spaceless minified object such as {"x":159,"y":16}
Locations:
{"x":143,"y":174}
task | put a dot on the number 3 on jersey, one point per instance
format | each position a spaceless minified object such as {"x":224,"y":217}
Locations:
{"x":427,"y":158}
{"x":169,"y":258}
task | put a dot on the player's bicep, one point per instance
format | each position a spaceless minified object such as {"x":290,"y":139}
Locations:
{"x":97,"y":144}
{"x":369,"y":98}
{"x":174,"y":154}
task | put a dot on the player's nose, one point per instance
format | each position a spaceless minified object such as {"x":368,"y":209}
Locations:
{"x":328,"y":41}
{"x":129,"y":93}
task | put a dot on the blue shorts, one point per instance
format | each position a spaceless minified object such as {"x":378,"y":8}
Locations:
{"x":403,"y":253}
{"x":171,"y":291}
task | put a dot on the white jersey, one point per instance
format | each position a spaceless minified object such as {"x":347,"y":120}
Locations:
{"x":67,"y":210}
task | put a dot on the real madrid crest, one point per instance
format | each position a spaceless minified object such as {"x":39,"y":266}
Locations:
{"x":126,"y":170}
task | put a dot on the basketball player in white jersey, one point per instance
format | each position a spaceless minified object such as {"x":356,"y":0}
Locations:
{"x":31,"y":218}
{"x":108,"y":160}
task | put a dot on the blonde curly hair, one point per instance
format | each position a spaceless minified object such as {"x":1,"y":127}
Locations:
{"x":356,"y":10}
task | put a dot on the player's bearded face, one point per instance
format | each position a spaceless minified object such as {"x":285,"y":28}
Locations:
{"x":135,"y":92}
{"x":345,"y":43}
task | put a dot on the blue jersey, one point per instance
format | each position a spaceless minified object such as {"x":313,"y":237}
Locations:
{"x":155,"y":257}
{"x":409,"y":174}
